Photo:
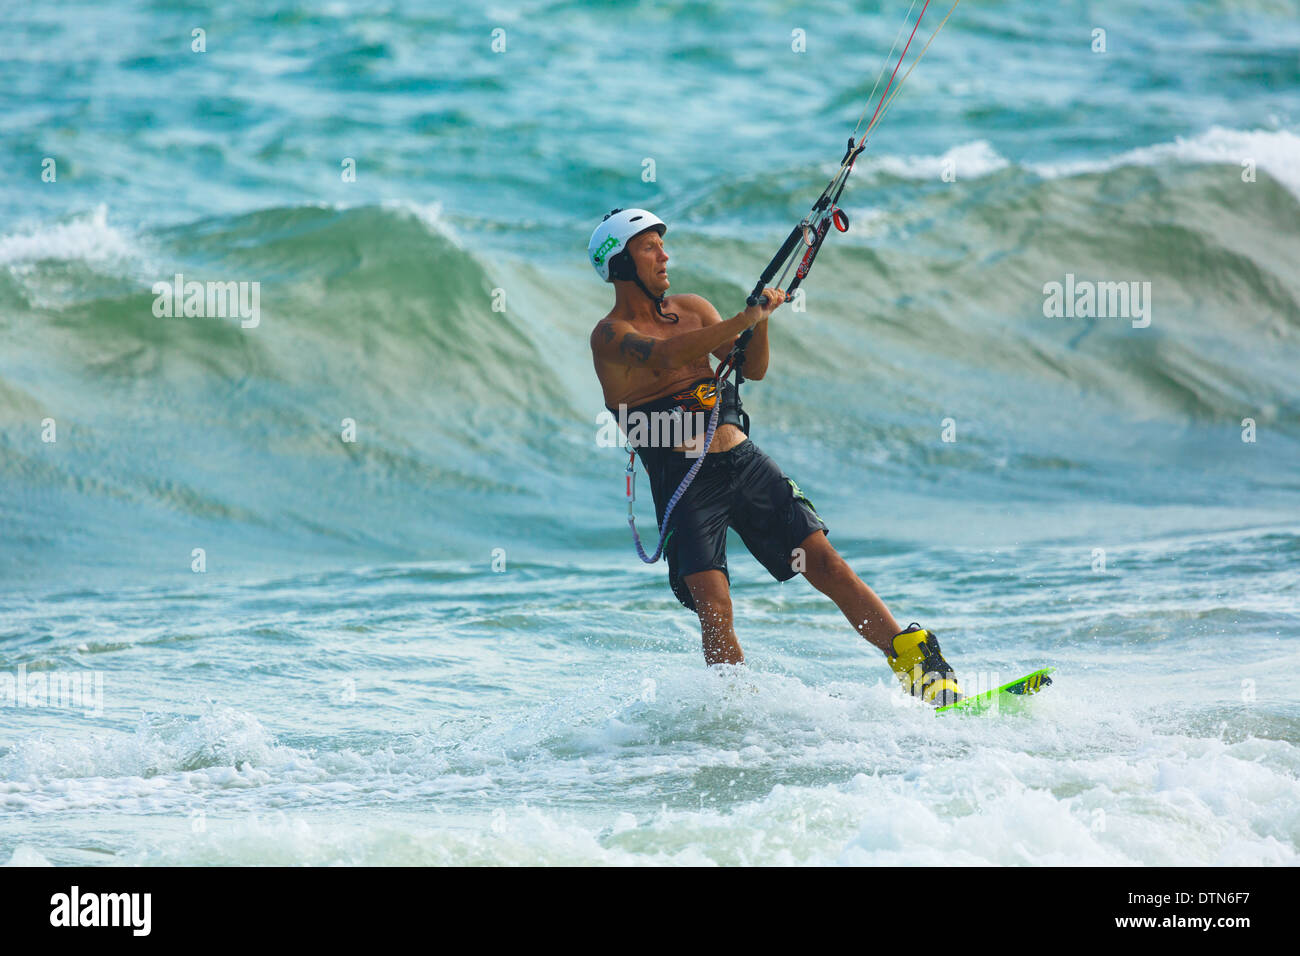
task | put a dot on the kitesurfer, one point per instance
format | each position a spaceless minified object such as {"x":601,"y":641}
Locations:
{"x":651,"y":354}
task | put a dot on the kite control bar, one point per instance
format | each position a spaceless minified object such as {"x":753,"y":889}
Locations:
{"x":756,"y":297}
{"x":811,"y":230}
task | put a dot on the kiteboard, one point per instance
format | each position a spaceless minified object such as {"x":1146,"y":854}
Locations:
{"x":1009,"y":697}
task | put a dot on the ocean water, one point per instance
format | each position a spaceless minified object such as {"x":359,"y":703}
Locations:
{"x":434,"y":643}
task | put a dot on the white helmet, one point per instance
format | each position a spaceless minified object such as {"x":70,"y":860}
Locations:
{"x":609,"y":241}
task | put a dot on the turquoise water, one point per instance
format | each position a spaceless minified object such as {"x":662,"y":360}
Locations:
{"x":435,"y":643}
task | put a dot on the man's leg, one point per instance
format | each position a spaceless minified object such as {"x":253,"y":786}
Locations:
{"x":712,"y":598}
{"x":831,"y":574}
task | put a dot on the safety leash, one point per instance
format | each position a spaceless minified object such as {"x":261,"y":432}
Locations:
{"x":677,"y":495}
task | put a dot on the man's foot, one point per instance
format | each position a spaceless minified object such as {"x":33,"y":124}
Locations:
{"x":920,"y":667}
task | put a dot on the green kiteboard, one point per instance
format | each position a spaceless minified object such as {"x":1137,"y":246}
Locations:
{"x":1009,"y":697}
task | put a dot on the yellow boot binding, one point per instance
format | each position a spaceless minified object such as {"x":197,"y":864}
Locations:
{"x":921,"y":669}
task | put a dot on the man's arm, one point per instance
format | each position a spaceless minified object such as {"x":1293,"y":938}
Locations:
{"x":756,"y":353}
{"x":616,"y":342}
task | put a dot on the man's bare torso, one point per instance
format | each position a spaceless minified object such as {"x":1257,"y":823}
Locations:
{"x":632,"y":385}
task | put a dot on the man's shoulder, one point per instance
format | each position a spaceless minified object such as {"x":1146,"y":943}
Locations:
{"x":695,"y":304}
{"x":687,"y":300}
{"x":604,"y":330}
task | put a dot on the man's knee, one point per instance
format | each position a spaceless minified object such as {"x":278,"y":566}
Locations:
{"x":824,"y":564}
{"x":711,"y":595}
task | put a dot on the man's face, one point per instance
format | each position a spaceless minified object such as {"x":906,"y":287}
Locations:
{"x":650,"y":259}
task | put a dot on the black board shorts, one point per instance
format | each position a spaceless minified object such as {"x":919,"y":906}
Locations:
{"x":742,"y":489}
